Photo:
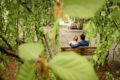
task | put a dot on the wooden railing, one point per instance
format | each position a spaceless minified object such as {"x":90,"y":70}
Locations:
{"x":83,"y":50}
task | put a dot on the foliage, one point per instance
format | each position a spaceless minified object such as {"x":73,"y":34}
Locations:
{"x":72,"y":67}
{"x":23,"y":21}
{"x":26,"y":69}
{"x":3,"y":62}
{"x":33,"y":50}
{"x":81,"y":8}
{"x":53,"y":37}
{"x":88,"y":30}
{"x":106,"y":28}
{"x":60,"y":63}
{"x":110,"y":77}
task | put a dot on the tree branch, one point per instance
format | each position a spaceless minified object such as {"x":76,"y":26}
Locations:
{"x":6,"y":42}
{"x":48,"y":48}
{"x":10,"y":53}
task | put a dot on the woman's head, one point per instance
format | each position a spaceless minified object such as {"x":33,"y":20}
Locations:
{"x":75,"y":38}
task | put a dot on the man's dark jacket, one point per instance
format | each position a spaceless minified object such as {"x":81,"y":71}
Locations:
{"x":81,"y":43}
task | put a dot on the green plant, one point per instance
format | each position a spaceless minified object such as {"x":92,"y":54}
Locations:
{"x":21,"y":24}
{"x":110,"y":77}
{"x":106,"y":27}
{"x":74,"y":67}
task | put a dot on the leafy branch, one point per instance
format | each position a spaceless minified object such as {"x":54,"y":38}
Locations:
{"x":6,"y":42}
{"x":108,"y":10}
{"x":24,"y":4}
{"x":11,"y":53}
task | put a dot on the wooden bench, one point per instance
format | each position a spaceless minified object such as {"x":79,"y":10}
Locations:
{"x":80,"y":50}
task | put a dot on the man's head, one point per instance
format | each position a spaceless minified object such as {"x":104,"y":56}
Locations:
{"x":82,"y":36}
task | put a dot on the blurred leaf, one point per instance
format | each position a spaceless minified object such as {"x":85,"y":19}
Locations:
{"x":27,"y":72}
{"x":30,"y":51}
{"x":82,"y":8}
{"x":71,"y":66}
{"x":54,"y":30}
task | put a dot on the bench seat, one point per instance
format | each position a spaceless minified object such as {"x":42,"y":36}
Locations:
{"x":83,"y":50}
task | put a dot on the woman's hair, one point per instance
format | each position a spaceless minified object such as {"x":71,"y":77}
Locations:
{"x":75,"y":38}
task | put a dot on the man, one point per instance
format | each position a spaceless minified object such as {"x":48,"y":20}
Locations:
{"x":81,"y":43}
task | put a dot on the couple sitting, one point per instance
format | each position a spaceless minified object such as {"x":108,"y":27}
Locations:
{"x":75,"y":44}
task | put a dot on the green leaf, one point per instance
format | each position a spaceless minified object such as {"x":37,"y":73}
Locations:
{"x":94,"y":58}
{"x":27,"y":72}
{"x":88,"y":30}
{"x":54,"y":30}
{"x":115,"y":15}
{"x":82,"y":8}
{"x":71,"y":66}
{"x":90,"y":27}
{"x":30,"y":51}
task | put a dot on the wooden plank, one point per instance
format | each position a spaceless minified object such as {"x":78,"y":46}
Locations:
{"x":84,"y":50}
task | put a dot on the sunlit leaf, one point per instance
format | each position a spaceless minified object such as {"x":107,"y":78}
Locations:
{"x":27,"y":72}
{"x":71,"y":66}
{"x":30,"y":51}
{"x":82,"y":8}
